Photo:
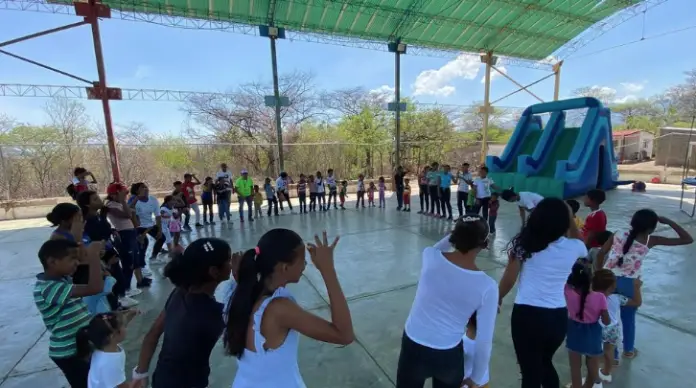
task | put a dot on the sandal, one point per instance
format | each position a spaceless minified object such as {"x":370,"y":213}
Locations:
{"x":631,"y":355}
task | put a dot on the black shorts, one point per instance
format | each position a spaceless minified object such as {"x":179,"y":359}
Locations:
{"x":207,"y":201}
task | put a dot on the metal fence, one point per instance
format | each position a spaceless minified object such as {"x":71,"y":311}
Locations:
{"x":44,"y":170}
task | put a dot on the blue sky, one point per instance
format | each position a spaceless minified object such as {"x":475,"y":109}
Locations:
{"x":141,"y":55}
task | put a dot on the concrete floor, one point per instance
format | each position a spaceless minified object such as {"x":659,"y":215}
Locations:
{"x":378,"y":262}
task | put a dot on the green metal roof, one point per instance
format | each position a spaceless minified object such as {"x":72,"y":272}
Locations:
{"x":530,"y":29}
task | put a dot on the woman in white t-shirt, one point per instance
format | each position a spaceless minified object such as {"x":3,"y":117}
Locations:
{"x":526,"y":201}
{"x":542,"y":257}
{"x":450,"y":289}
{"x":102,"y":338}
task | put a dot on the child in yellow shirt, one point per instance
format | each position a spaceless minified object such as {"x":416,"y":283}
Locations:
{"x":258,"y":201}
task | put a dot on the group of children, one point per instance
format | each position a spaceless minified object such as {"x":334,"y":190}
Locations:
{"x":76,"y":293}
{"x":603,"y":290}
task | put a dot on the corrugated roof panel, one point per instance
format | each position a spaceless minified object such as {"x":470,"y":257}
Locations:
{"x":530,"y":29}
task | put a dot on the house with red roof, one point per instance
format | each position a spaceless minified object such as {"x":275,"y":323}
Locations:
{"x":633,"y":145}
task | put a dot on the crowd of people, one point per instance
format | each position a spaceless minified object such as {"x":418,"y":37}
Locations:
{"x":577,"y":282}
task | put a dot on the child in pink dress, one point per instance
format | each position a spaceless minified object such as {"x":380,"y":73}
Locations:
{"x":382,"y":188}
{"x":175,"y":230}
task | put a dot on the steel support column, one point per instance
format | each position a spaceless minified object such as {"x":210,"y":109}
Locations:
{"x":397,"y":99}
{"x":557,"y":80}
{"x":97,"y":9}
{"x":488,"y":60}
{"x":276,"y":93}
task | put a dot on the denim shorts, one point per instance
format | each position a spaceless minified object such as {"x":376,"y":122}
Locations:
{"x":584,"y":338}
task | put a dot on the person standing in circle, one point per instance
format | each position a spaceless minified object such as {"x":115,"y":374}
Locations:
{"x":451,"y":288}
{"x":244,"y":187}
{"x":399,"y":186}
{"x":463,"y":181}
{"x":225,"y":175}
{"x":263,"y":319}
{"x":189,"y":188}
{"x":542,"y":257}
{"x":283,"y":190}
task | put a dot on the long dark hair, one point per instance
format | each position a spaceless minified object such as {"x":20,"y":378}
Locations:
{"x":192,"y":268}
{"x":83,"y":200}
{"x":256,"y":266}
{"x":581,"y":281}
{"x":62,"y":212}
{"x":548,"y":222}
{"x":643,"y":221}
{"x":97,"y":334}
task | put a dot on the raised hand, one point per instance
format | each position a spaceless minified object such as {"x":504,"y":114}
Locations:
{"x":93,"y":251}
{"x":321,"y":252}
{"x":78,"y":226}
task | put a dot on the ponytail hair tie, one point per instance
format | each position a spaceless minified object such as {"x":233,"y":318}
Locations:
{"x":257,"y":251}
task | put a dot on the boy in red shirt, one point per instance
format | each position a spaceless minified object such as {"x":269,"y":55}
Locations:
{"x":596,"y":221}
{"x":189,"y":189}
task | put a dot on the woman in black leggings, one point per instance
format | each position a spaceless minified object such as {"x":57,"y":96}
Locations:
{"x":434,"y":188}
{"x":423,"y":193}
{"x":539,"y":315}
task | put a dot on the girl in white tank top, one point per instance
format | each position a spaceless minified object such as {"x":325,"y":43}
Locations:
{"x":263,"y":320}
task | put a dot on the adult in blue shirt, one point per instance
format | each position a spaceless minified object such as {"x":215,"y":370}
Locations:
{"x":445,"y":192}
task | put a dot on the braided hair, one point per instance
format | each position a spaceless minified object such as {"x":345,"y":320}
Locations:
{"x":643,"y":221}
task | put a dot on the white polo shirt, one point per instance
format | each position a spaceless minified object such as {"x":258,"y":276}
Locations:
{"x":528,"y":200}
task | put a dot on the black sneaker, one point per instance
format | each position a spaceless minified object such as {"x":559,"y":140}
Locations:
{"x":144,"y":283}
{"x":187,"y":227}
{"x":251,"y":219}
{"x":199,"y":225}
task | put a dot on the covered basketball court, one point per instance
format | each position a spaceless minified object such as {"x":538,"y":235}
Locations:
{"x":517,"y":32}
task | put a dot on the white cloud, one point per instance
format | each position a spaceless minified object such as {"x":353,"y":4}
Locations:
{"x":383,"y":91}
{"x":495,"y":74}
{"x":142,"y":72}
{"x":438,"y":82}
{"x":633,"y":87}
{"x":626,"y":98}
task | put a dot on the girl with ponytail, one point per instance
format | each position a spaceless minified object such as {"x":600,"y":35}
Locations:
{"x":191,"y":320}
{"x":586,"y":308}
{"x":100,"y":342}
{"x":624,"y":254}
{"x":264,"y":320}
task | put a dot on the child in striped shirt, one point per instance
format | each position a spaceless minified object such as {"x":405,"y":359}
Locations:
{"x":60,"y":301}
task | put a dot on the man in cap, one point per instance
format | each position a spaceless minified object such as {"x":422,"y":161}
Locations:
{"x":244,"y":187}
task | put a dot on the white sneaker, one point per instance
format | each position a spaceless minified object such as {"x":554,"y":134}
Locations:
{"x":127,"y":302}
{"x":133,"y":292}
{"x":145,"y":272}
{"x":158,"y":260}
{"x":605,"y":378}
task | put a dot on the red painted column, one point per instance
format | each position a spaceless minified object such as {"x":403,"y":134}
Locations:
{"x":96,"y":10}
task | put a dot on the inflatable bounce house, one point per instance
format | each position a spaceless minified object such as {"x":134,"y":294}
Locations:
{"x":556,"y":161}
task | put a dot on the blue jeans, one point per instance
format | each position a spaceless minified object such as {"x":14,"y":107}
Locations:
{"x":624,"y":286}
{"x":248,"y":201}
{"x":223,"y":208}
{"x":128,"y":253}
